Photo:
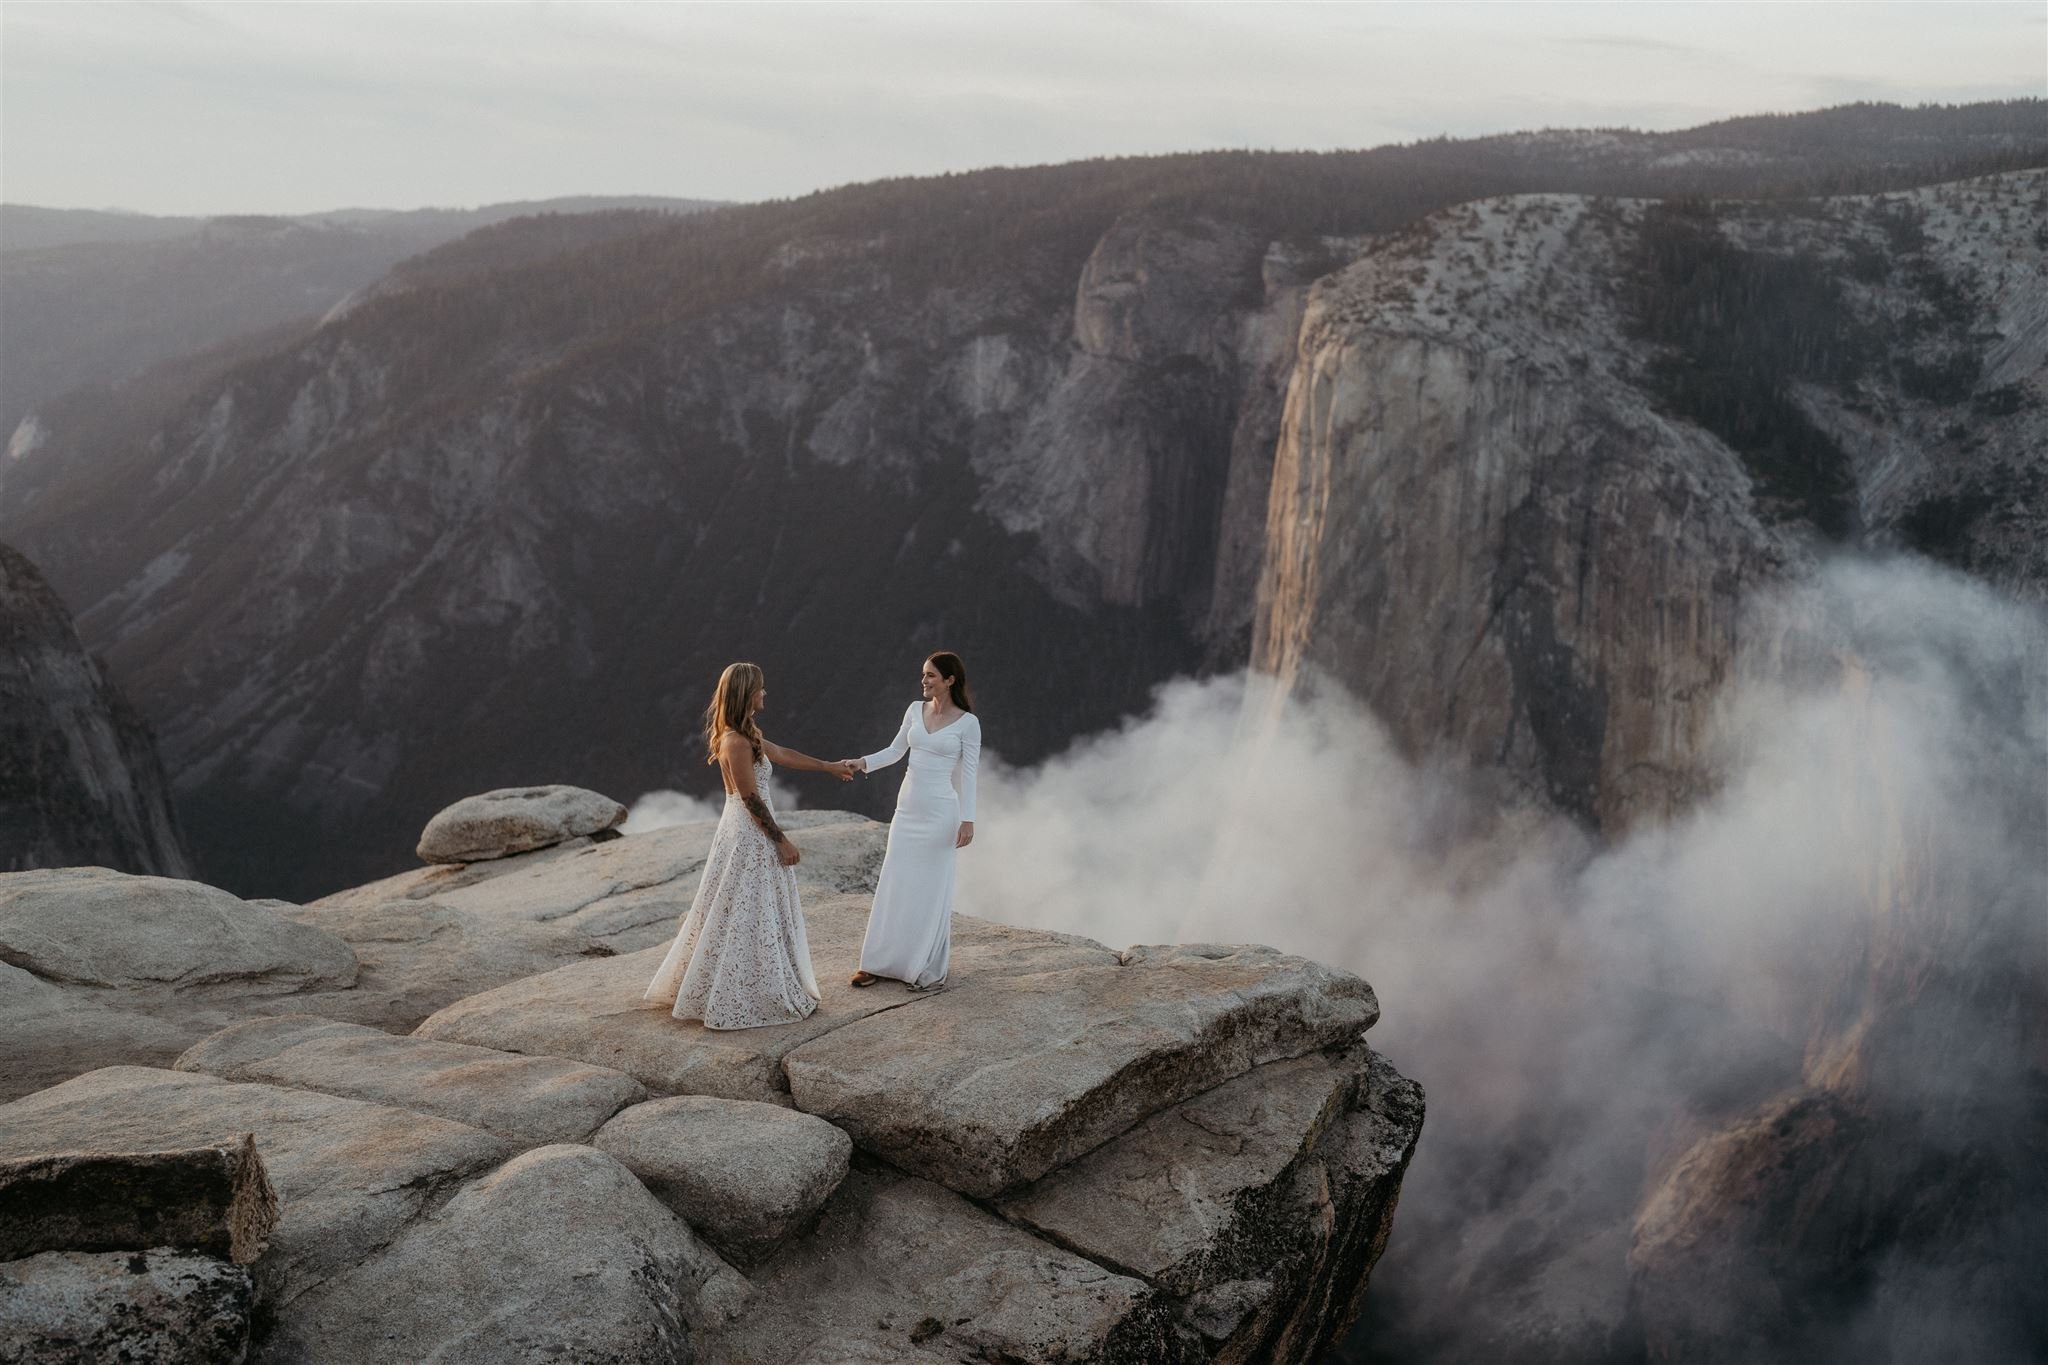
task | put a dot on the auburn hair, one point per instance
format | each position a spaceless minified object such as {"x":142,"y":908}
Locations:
{"x":949,"y":666}
{"x":728,"y":709}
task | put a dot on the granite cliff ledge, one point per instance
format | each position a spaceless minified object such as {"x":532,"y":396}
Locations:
{"x":485,"y":1146}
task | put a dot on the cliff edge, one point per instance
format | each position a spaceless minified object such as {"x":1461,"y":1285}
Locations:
{"x":485,"y":1145}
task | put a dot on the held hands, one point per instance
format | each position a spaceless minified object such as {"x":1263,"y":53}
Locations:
{"x":843,"y":769}
{"x":966,"y":835}
{"x":786,"y":854}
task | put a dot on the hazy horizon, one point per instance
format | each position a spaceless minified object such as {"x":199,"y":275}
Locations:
{"x":208,"y":109}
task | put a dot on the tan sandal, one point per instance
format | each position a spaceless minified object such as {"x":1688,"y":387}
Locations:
{"x":862,"y":979}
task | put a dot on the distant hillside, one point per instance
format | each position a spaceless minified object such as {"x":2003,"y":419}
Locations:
{"x":503,"y":520}
{"x":93,"y":298}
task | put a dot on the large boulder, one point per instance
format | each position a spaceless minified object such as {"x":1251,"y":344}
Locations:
{"x":497,"y":824}
{"x":526,"y":1100}
{"x":89,"y":926}
{"x":88,"y":1308}
{"x":594,"y":1012}
{"x":993,"y":1084}
{"x":214,"y":1199}
{"x":560,"y":1256}
{"x":747,"y":1176}
{"x":348,"y":1175}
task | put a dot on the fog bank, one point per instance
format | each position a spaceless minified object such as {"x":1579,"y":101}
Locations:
{"x":1577,"y":1013}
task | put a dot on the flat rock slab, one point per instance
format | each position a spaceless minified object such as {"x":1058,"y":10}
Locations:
{"x":594,"y":1011}
{"x":55,"y":1032}
{"x":902,"y":1270}
{"x":1181,"y":1197}
{"x":497,"y":824}
{"x":628,"y":892}
{"x":348,"y":1175}
{"x":418,"y":955}
{"x":529,"y":1101}
{"x":747,"y":1176}
{"x":90,"y":926}
{"x":88,"y":1308}
{"x":560,"y":1255}
{"x":215,"y":1200}
{"x":994,"y":1083}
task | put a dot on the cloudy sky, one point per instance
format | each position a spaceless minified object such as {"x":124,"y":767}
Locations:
{"x":283,"y":107}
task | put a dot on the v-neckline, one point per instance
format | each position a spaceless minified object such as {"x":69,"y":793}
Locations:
{"x":926,"y":725}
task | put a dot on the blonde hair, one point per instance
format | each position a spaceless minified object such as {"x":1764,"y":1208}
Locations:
{"x":728,"y":709}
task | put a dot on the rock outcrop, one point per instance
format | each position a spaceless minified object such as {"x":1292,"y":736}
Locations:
{"x":99,"y":967}
{"x":498,"y":824}
{"x":1071,"y":1153}
{"x":86,"y":1308}
{"x":215,"y":1200}
{"x":80,"y":781}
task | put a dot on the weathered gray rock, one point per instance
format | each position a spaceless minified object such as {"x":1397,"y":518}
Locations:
{"x":55,"y":1032}
{"x":215,"y":1200}
{"x":418,"y":955}
{"x":995,"y":1083}
{"x":747,"y":1176}
{"x":560,"y":1256}
{"x":902,"y":1270}
{"x":512,"y":820}
{"x":627,"y":892}
{"x":593,"y":1011}
{"x":162,"y":1307}
{"x":89,"y":926}
{"x":526,"y":1100}
{"x":348,"y":1175}
{"x":1189,"y":1198}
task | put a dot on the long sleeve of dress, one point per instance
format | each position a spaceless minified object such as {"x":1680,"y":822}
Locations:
{"x":899,"y":746}
{"x":970,"y":760}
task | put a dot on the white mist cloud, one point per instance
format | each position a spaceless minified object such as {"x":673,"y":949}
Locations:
{"x":1882,"y":747}
{"x":660,"y":809}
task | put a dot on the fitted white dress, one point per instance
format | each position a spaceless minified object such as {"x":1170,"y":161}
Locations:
{"x":910,"y":930}
{"x":740,"y":959}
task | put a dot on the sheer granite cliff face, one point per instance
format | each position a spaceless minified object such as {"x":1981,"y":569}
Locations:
{"x":1169,"y":1153}
{"x":1494,"y":517}
{"x":1485,"y":529}
{"x":80,"y":782}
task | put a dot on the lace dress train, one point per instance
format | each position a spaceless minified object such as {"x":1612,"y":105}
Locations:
{"x":740,"y":959}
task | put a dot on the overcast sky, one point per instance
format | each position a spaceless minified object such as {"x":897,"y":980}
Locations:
{"x":286,"y":107}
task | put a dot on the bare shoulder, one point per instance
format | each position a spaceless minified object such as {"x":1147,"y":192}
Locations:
{"x":734,"y":748}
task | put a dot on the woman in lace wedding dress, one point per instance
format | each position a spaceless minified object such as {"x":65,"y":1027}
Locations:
{"x":910,"y":929}
{"x":740,"y":959}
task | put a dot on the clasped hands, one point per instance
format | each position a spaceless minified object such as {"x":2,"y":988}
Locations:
{"x":845,"y":768}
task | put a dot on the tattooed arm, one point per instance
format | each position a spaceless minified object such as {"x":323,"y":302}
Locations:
{"x":736,"y":756}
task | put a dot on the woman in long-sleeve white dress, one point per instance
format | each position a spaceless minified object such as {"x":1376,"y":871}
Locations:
{"x":910,"y":929}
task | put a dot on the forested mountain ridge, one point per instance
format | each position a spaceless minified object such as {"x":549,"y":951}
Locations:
{"x":1031,"y":414}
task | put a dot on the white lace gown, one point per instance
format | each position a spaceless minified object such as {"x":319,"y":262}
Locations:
{"x":910,"y":929}
{"x":740,"y":959}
